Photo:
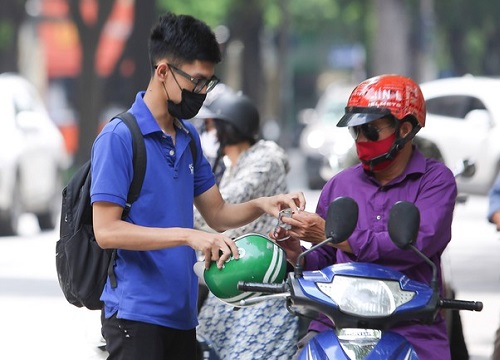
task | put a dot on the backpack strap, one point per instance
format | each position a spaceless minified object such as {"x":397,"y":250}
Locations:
{"x":194,"y":149}
{"x":139,"y":158}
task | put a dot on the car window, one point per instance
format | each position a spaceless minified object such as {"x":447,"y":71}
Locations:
{"x":457,"y":106}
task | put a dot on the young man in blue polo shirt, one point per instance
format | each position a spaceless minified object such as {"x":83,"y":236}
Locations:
{"x":152,"y":313}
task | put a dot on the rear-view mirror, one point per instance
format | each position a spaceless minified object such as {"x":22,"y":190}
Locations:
{"x":404,"y":223}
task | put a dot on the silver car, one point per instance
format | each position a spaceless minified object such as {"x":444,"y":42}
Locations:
{"x":32,"y":157}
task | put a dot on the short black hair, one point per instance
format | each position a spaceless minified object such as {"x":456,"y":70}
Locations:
{"x":182,"y":39}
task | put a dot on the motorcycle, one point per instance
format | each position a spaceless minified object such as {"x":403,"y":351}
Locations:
{"x":363,"y":300}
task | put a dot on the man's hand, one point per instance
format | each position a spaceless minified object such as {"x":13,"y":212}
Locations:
{"x":273,"y":204}
{"x":306,"y":226}
{"x":215,"y":247}
{"x":310,"y":227}
{"x":291,"y":245}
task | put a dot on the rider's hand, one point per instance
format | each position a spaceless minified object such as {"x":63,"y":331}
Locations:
{"x":290,"y":244}
{"x":279,"y":234}
{"x":307,"y":226}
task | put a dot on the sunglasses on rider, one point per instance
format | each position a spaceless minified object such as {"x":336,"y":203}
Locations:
{"x":370,"y":131}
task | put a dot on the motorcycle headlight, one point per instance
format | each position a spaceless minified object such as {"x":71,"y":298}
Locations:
{"x":366,"y":297}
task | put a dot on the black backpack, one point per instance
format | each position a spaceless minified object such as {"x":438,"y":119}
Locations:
{"x":82,"y":266}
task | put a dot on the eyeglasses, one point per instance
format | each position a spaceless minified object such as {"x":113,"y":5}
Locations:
{"x":370,"y":131}
{"x":199,"y":83}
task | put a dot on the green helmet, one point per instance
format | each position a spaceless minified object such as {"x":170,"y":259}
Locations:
{"x":261,"y":260}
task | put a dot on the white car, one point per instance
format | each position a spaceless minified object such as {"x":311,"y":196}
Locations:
{"x":32,"y":157}
{"x":463,"y":122}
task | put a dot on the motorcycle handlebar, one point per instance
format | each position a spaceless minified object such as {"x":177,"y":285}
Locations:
{"x":262,"y":288}
{"x":461,"y":305}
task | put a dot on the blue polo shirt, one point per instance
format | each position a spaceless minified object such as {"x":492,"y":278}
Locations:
{"x":157,"y":287}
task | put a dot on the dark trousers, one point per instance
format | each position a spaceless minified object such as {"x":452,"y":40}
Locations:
{"x":132,"y":340}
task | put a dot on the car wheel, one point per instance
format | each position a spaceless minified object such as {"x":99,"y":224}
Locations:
{"x":9,"y":220}
{"x":315,"y":182}
{"x":48,"y":219}
{"x":314,"y":179}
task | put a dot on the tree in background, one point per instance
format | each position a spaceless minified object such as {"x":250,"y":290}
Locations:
{"x":133,"y":69}
{"x":130,"y":73}
{"x":89,"y":90}
{"x":246,"y":23}
{"x":12,"y":15}
{"x":95,"y":92}
{"x":469,"y":36}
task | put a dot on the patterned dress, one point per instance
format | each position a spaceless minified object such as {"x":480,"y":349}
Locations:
{"x":266,"y":330}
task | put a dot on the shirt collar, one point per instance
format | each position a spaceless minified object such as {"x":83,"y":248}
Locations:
{"x":416,"y":165}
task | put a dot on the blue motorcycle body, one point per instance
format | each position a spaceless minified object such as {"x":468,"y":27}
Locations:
{"x":317,"y":289}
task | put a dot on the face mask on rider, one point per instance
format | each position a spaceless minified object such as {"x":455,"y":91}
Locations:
{"x":369,"y":150}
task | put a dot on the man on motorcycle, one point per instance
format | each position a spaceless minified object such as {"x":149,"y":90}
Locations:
{"x":383,"y":114}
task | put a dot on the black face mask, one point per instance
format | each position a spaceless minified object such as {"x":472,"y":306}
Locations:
{"x":188,"y":107}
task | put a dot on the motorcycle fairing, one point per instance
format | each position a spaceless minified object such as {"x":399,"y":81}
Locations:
{"x":326,"y":346}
